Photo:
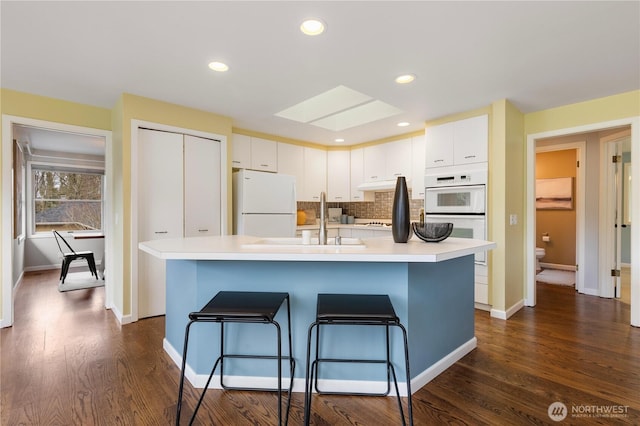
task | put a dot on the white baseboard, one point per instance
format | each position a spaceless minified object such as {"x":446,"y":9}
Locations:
{"x":590,"y":291}
{"x":122,"y":319}
{"x":199,"y":380}
{"x":504,"y":315}
{"x":482,"y":306}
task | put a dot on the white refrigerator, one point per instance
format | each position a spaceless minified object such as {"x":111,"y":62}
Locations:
{"x":264,"y":204}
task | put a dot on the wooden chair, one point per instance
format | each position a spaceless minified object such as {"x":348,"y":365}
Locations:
{"x":68,"y":257}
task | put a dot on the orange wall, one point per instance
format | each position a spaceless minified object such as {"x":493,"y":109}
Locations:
{"x":559,"y":224}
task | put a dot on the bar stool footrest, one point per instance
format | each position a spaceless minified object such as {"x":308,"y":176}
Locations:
{"x":390,"y":368}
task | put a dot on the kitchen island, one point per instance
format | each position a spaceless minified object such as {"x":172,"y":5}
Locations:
{"x":430,"y":285}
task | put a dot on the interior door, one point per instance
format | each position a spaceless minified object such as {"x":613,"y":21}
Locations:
{"x":617,"y":238}
{"x":613,"y":220}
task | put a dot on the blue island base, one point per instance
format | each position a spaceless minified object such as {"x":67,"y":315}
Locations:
{"x":435,"y":303}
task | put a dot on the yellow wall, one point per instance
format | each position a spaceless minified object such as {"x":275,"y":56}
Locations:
{"x":506,"y":197}
{"x":560,"y":225}
{"x":610,"y":108}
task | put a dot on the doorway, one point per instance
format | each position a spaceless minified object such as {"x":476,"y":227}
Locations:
{"x":560,"y":221}
{"x":634,"y":125}
{"x":12,"y":267}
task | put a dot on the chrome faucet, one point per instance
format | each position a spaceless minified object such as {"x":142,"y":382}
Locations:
{"x":322,"y":235}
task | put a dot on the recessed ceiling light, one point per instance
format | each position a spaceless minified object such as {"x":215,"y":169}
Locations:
{"x":403,"y":124}
{"x":312,"y":27}
{"x":339,"y":140}
{"x":406,"y":78}
{"x":218,"y":66}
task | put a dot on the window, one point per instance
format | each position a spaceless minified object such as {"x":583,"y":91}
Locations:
{"x":65,"y":199}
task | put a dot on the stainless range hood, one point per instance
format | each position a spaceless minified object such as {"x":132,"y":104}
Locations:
{"x":381,"y":185}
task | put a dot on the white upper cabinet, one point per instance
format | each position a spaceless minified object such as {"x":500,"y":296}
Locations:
{"x":398,"y":156}
{"x":338,"y":176}
{"x":374,"y":163}
{"x":417,"y":167}
{"x":471,"y":140}
{"x":254,"y":153}
{"x":439,"y":146}
{"x":459,"y":142}
{"x":315,"y":174}
{"x":240,"y":151}
{"x":291,"y":162}
{"x":357,"y":174}
{"x":387,"y":161}
{"x":264,"y":155}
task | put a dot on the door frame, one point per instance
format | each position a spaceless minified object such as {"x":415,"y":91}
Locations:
{"x":608,"y":208}
{"x":8,"y":121}
{"x":580,"y":204}
{"x":135,"y":125}
{"x":634,"y":123}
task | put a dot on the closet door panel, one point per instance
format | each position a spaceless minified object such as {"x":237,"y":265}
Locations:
{"x":201,"y":187}
{"x":160,"y":210}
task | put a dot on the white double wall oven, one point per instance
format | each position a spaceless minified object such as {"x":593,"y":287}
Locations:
{"x":458,"y":194}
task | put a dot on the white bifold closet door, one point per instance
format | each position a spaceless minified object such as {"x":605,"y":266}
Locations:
{"x":178,"y":196}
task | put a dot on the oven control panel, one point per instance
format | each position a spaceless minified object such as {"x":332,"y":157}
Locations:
{"x":455,"y":178}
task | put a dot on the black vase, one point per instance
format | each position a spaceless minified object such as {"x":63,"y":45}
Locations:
{"x":400,"y":215}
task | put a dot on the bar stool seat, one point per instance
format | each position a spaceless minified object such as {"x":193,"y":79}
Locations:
{"x":242,"y":307}
{"x":361,"y":310}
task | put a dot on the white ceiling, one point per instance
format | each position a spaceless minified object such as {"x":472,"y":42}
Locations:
{"x":465,"y":55}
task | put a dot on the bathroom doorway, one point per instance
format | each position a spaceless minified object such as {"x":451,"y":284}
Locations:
{"x":560,"y":169}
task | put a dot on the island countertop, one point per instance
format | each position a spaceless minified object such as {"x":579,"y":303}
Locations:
{"x":382,"y":249}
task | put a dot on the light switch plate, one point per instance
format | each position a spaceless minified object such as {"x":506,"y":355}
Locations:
{"x":513,"y":219}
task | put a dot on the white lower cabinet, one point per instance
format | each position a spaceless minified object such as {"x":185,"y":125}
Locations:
{"x":482,"y":285}
{"x":178,"y":190}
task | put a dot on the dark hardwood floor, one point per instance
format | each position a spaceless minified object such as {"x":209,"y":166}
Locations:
{"x":66,"y":361}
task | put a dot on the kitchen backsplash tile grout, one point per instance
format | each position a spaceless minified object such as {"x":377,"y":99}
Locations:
{"x":378,"y":209}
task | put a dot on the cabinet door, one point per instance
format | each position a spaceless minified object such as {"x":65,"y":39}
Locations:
{"x":160,"y":210}
{"x":470,"y":139}
{"x":264,"y":155}
{"x":201,"y":187}
{"x":338,"y":176}
{"x":439,"y":146}
{"x":374,"y":163}
{"x":240,"y":151}
{"x":315,"y":173}
{"x":417,"y":167}
{"x":357,"y":174}
{"x":291,"y":162}
{"x":398,"y":155}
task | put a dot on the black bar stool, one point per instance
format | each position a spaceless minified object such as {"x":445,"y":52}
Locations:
{"x":355,"y":309}
{"x":241,"y":307}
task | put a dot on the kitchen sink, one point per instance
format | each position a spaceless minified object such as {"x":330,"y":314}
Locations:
{"x":297,"y":242}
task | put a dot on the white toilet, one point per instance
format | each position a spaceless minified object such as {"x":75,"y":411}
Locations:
{"x":539,"y":255}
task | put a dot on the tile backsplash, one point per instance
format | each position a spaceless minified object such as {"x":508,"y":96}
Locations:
{"x":378,"y":209}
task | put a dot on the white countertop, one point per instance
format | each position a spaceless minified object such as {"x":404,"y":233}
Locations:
{"x":383,"y":249}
